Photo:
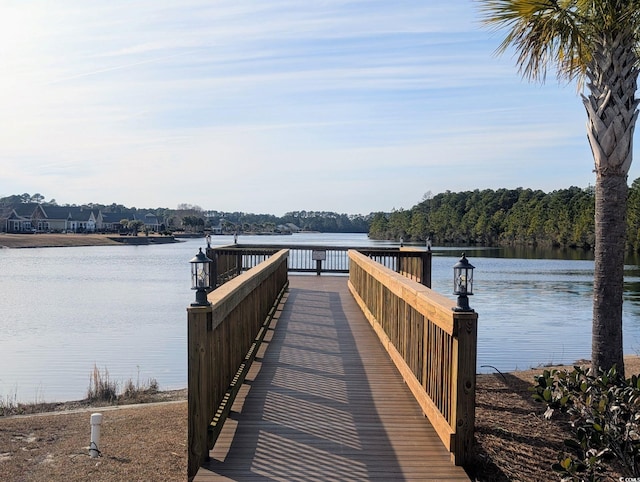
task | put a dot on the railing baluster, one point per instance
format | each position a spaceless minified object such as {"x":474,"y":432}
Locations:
{"x":412,"y":263}
{"x":219,"y":340}
{"x":438,"y":366}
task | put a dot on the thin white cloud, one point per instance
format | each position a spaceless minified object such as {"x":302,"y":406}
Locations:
{"x":348,"y":105}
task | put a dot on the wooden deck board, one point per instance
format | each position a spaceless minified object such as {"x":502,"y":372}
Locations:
{"x":323,"y":402}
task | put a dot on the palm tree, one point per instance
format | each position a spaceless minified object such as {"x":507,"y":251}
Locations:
{"x":597,"y":42}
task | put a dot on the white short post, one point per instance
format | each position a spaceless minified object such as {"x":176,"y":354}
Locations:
{"x":94,"y":446}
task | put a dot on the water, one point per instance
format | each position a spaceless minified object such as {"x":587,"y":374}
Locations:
{"x":123,"y":308}
{"x":63,"y":310}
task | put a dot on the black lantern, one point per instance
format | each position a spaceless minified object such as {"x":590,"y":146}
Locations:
{"x":200,"y":276}
{"x":463,"y":283}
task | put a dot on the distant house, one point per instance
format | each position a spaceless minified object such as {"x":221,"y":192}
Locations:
{"x":18,"y":217}
{"x":151,"y":222}
{"x":5,"y":213}
{"x":110,"y":222}
{"x":15,"y":223}
{"x":67,"y":218}
{"x":27,"y":217}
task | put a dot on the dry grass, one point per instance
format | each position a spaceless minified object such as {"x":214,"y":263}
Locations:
{"x":148,"y":441}
{"x":138,"y":443}
{"x":54,"y":240}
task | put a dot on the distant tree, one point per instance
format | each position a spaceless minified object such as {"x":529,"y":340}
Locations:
{"x":189,"y":207}
{"x":399,"y":224}
{"x":378,"y":229}
{"x":13,"y":199}
{"x":135,"y":226}
{"x":37,"y":198}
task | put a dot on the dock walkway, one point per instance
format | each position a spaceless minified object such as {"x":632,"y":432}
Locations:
{"x":323,"y":402}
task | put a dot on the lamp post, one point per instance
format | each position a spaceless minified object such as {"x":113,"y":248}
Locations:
{"x":200,"y":276}
{"x":463,"y":283}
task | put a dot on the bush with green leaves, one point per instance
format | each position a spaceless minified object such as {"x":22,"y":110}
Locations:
{"x":604,"y":413}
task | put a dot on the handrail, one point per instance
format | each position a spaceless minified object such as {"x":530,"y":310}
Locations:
{"x":231,"y":260}
{"x":433,"y":347}
{"x":222,"y":341}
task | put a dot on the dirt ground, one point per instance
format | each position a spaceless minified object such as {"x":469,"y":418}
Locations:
{"x":514,"y":442}
{"x":148,"y":442}
{"x":42,"y":240}
{"x":145,"y":442}
{"x":45,"y":240}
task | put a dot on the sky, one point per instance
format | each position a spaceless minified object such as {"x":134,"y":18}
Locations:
{"x":271,"y":106}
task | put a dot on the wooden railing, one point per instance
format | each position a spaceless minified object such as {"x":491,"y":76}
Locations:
{"x":231,"y":260}
{"x":433,"y":346}
{"x":222,"y":341}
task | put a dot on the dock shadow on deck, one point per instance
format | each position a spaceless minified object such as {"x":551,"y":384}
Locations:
{"x":323,"y":402}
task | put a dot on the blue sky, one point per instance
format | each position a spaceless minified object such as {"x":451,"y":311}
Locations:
{"x":272,"y":106}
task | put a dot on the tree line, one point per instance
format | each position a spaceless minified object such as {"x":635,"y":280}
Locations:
{"x":194,"y":218}
{"x":563,"y":218}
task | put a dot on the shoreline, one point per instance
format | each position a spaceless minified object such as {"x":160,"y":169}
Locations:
{"x":144,"y":398}
{"x":632,"y":366}
{"x":47,"y":240}
{"x":513,"y":441}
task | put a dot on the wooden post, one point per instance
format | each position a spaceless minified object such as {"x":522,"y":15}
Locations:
{"x":198,"y":327}
{"x":425,"y":278}
{"x":239,"y":263}
{"x":464,"y":358}
{"x":213,"y":272}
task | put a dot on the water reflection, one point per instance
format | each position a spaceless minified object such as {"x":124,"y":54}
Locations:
{"x":528,"y":252}
{"x":537,"y":311}
{"x":62,"y":310}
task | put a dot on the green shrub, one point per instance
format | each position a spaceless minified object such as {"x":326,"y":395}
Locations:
{"x":603,"y":411}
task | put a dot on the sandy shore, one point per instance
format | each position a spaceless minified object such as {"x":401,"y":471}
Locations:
{"x":70,"y":240}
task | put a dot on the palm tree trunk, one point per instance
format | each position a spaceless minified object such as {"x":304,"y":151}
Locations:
{"x":612,"y":110}
{"x":608,"y":281}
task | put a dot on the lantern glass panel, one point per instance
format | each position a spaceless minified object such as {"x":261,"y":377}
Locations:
{"x":200,"y":275}
{"x":467,"y":281}
{"x":460,"y":281}
{"x":200,"y":269}
{"x":463,"y":277}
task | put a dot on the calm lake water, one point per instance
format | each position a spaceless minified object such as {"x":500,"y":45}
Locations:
{"x":123,"y":308}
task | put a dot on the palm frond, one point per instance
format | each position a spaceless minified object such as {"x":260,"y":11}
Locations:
{"x":544,"y":33}
{"x":559,"y":33}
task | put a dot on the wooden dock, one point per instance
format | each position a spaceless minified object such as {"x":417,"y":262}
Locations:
{"x":324,"y":402}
